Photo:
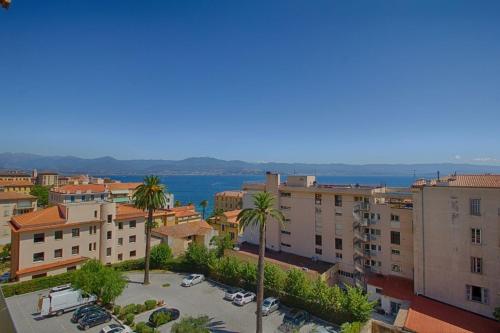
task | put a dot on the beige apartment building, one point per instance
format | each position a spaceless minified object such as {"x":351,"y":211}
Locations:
{"x":12,"y":204}
{"x":362,"y":229}
{"x":20,"y":186}
{"x":457,"y":241}
{"x":60,"y":238}
{"x":15,"y":175}
{"x":47,"y":178}
{"x":229,"y":200}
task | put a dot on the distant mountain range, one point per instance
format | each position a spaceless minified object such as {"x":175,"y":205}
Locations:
{"x":212,"y":166}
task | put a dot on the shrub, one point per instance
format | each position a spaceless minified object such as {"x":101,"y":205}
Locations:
{"x":165,"y":285}
{"x":147,"y":329}
{"x":150,"y":304}
{"x":139,"y":327}
{"x":354,"y":327}
{"x":140,"y":308}
{"x":160,"y":318}
{"x":116,"y":310}
{"x":129,"y":308}
{"x":129,"y":265}
{"x":37,"y":284}
{"x":129,"y":319}
{"x":192,"y":325}
{"x":160,"y":254}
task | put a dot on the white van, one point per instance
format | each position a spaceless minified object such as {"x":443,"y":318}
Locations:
{"x":58,"y":302}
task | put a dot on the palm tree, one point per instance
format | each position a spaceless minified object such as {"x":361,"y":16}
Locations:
{"x":204,"y":204}
{"x":257,"y":216}
{"x":149,"y":196}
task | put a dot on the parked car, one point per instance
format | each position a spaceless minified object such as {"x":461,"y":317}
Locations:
{"x":5,"y":277}
{"x":116,"y":328}
{"x":193,"y":279}
{"x":231,"y":292}
{"x":294,"y":320}
{"x":93,"y":318}
{"x":64,"y":300}
{"x":82,"y":311}
{"x":270,"y":305}
{"x":173,"y":313}
{"x":61,"y":288}
{"x":243,"y":298}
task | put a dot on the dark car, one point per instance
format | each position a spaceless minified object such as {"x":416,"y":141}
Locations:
{"x":82,"y":311}
{"x":93,"y":318}
{"x":293,"y":320}
{"x":171,"y":312}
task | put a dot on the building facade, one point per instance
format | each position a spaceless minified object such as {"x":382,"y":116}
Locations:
{"x":15,"y":175}
{"x":60,"y":238}
{"x":20,"y":186}
{"x":229,"y":200}
{"x":122,"y":192}
{"x":457,"y":241}
{"x":78,"y":193}
{"x":47,"y":178}
{"x":12,"y":204}
{"x":227,"y":224}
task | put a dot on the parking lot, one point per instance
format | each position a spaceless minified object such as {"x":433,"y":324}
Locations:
{"x":205,"y":298}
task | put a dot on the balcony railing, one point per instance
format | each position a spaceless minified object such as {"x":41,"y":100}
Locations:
{"x":359,"y":268}
{"x":361,"y":236}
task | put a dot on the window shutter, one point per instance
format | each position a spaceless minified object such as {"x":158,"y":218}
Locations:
{"x":468,"y":291}
{"x":485,"y":296}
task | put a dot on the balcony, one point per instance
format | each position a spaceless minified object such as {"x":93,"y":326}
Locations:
{"x":358,"y":252}
{"x":370,"y":253}
{"x":360,"y":236}
{"x":362,"y":206}
{"x":359,"y":267}
{"x":364,"y":222}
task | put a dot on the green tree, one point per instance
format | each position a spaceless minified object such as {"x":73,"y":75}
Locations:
{"x":104,"y":282}
{"x":358,"y":305}
{"x":160,"y":318}
{"x":177,"y":203}
{"x":221,"y":243}
{"x":229,"y":269}
{"x":249,"y":275}
{"x":199,"y":257}
{"x":192,"y":325}
{"x":160,"y":254}
{"x":41,"y":193}
{"x":258,"y":217}
{"x":5,"y":253}
{"x":354,"y":327}
{"x":274,"y":279}
{"x":149,"y":196}
{"x":297,"y":284}
{"x":204,"y":205}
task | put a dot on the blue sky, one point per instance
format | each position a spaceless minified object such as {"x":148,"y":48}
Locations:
{"x":308,"y":81}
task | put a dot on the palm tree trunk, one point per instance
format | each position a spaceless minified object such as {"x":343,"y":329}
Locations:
{"x":149,"y":223}
{"x":203,"y":212}
{"x":260,"y":283}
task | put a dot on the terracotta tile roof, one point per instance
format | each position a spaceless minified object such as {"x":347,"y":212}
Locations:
{"x":122,"y":186}
{"x":40,"y":218}
{"x":392,"y":286}
{"x":187,"y":213}
{"x":232,"y":215}
{"x":429,"y":316}
{"x":15,"y":196}
{"x":183,"y":230}
{"x":125,"y":211}
{"x":182,"y":208}
{"x":54,"y":265}
{"x":184,"y":211}
{"x":91,"y":188}
{"x":236,"y":194}
{"x":14,"y":183}
{"x":482,"y":181}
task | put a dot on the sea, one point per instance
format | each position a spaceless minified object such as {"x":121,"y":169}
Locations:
{"x":197,"y":188}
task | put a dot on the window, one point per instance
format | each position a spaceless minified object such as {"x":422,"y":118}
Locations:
{"x":346,"y":274}
{"x":110,"y":218}
{"x":475,"y":207}
{"x":396,"y":268}
{"x":378,"y":291}
{"x":75,"y":232}
{"x":83,"y":198}
{"x":120,"y":256}
{"x":102,"y":196}
{"x":285,"y":194}
{"x":394,"y":218}
{"x":72,"y":198}
{"x":223,"y":227}
{"x":120,"y":225}
{"x":132,"y":253}
{"x":95,"y":229}
{"x":477,"y":294}
{"x":109,"y":235}
{"x":132,"y":224}
{"x":319,"y":251}
{"x":395,"y":237}
{"x":338,"y":243}
{"x":318,"y":240}
{"x":285,"y":244}
{"x":58,"y":253}
{"x":285,"y":207}
{"x":231,"y":234}
{"x":395,"y":252}
{"x":338,"y":201}
{"x":95,"y":211}
{"x":90,"y":246}
{"x":108,"y":252}
{"x":317,"y":199}
{"x":120,"y":241}
{"x":131,"y":239}
{"x":476,"y":265}
{"x":286,"y":232}
{"x":58,"y":234}
{"x":37,"y":257}
{"x":75,"y":250}
{"x":476,"y":236}
{"x":71,"y":268}
{"x":39,"y":238}
{"x":92,"y":197}
{"x":339,"y":228}
{"x":90,"y":230}
{"x":94,"y":246}
{"x":338,"y":255}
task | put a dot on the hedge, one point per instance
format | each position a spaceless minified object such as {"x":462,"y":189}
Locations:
{"x":24,"y":287}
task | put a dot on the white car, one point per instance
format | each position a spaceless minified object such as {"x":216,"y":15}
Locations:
{"x":116,"y":328}
{"x":243,"y":298}
{"x":193,"y":279}
{"x":231,"y":293}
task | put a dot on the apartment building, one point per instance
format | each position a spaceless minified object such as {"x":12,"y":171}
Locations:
{"x":16,"y":185}
{"x":229,"y":200}
{"x":227,"y":224}
{"x":47,"y":178}
{"x":12,"y":204}
{"x":15,"y":175}
{"x":457,"y":241}
{"x":362,"y":229}
{"x":122,"y":192}
{"x":60,"y":238}
{"x":78,"y":193}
